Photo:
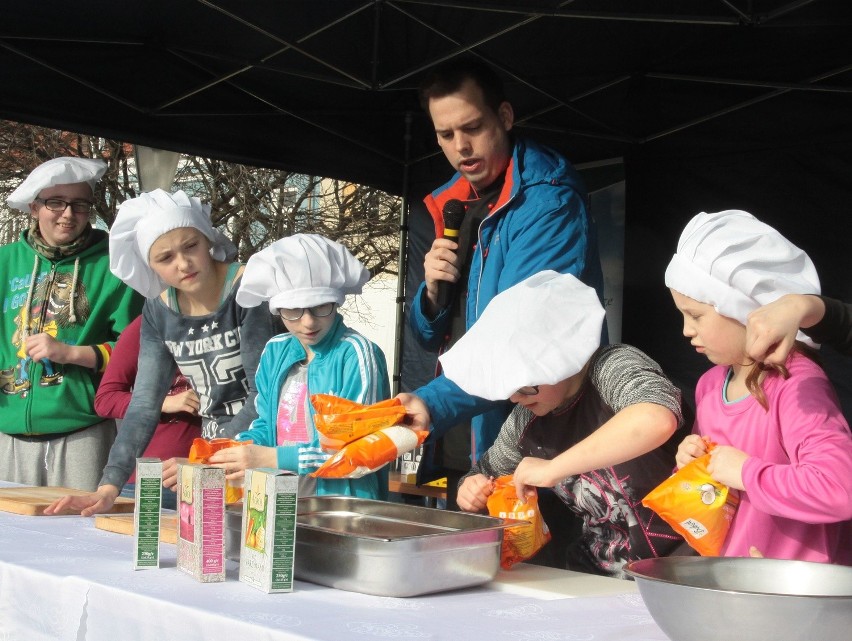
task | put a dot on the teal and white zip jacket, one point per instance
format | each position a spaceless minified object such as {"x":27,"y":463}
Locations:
{"x":345,"y":364}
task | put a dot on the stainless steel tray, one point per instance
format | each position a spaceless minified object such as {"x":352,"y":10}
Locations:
{"x":393,"y":549}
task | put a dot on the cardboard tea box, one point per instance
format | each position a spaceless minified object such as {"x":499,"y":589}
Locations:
{"x":201,"y":521}
{"x":146,"y":516}
{"x":268,"y":537}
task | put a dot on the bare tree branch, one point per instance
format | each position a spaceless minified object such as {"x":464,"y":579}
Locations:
{"x":254,"y":206}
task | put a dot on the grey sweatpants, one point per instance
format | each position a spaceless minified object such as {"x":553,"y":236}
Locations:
{"x":75,"y":460}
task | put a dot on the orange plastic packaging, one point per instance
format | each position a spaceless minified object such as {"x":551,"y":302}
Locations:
{"x":371,"y":452}
{"x":697,"y":507}
{"x":202,"y":450}
{"x":340,"y":421}
{"x":522,"y":541}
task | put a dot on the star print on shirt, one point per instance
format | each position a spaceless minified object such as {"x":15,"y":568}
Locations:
{"x":214,"y":325}
{"x":191,"y":331}
{"x":205,"y":328}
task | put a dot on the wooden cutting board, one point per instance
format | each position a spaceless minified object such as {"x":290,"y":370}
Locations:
{"x":123,"y":524}
{"x":32,"y":501}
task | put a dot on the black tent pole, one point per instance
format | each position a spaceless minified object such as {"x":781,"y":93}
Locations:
{"x":402,"y":259}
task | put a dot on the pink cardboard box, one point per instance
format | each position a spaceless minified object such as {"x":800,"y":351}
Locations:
{"x":201,"y":522}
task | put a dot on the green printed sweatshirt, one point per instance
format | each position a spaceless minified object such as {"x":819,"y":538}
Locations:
{"x":78,"y":301}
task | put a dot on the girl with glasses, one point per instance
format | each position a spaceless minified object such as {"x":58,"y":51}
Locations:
{"x":165,"y":247}
{"x":305,"y":278}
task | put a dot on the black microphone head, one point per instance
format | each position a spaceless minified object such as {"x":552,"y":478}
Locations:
{"x":453,"y":214}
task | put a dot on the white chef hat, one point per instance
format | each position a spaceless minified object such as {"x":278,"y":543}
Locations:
{"x":736,"y":263}
{"x":141,"y":221}
{"x":539,"y":332}
{"x":66,"y":170}
{"x":303,"y":270}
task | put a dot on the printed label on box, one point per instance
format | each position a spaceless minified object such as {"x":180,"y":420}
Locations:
{"x":201,"y":515}
{"x":268,"y":540}
{"x":146,"y":516}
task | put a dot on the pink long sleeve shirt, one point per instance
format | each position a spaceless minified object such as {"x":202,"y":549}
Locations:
{"x":798,"y":478}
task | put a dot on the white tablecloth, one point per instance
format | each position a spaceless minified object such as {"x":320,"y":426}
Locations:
{"x":63,"y":579}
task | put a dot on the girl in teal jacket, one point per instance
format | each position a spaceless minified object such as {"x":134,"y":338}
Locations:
{"x":305,"y":278}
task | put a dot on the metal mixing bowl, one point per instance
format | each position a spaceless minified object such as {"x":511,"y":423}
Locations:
{"x":708,"y":598}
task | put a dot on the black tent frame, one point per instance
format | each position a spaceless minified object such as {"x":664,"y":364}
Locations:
{"x":327,"y":87}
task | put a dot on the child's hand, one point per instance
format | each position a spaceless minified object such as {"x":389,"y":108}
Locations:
{"x":690,"y":449}
{"x":474,"y":492}
{"x":184,"y":402}
{"x":170,"y":471}
{"x":236,"y":460}
{"x":531,"y":473}
{"x":86,"y":504}
{"x":726,"y":466}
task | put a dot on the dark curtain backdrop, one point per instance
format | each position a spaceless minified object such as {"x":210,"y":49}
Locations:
{"x":803,"y":189}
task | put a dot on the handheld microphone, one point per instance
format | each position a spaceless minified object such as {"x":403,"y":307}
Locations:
{"x":453,"y":216}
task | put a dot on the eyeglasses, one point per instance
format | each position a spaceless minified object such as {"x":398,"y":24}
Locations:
{"x":528,"y":390}
{"x":57,"y":205}
{"x":318,"y":311}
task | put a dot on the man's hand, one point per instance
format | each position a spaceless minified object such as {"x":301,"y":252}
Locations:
{"x":474,"y":492}
{"x":441,"y":265}
{"x":85,"y":504}
{"x":416,"y":412}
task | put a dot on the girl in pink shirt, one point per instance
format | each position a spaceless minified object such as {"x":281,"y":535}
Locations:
{"x":781,"y":437}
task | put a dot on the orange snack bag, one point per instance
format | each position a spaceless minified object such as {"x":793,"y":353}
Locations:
{"x":340,"y":421}
{"x":522,"y":541}
{"x":202,"y":450}
{"x":697,"y":507}
{"x":370,"y":453}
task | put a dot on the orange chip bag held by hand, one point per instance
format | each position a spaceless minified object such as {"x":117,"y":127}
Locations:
{"x":340,"y":421}
{"x":371,"y":453}
{"x":697,"y":507}
{"x":202,"y":450}
{"x":522,"y":541}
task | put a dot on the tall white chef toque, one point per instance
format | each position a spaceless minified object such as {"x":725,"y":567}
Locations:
{"x":141,"y":221}
{"x":302,"y":270}
{"x":736,"y":263}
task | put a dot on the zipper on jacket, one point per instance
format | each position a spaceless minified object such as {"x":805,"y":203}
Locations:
{"x":31,"y":368}
{"x":29,"y":428}
{"x":48,"y":288}
{"x":485,"y":252}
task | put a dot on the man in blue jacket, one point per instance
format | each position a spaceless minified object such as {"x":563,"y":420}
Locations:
{"x":525,"y":211}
